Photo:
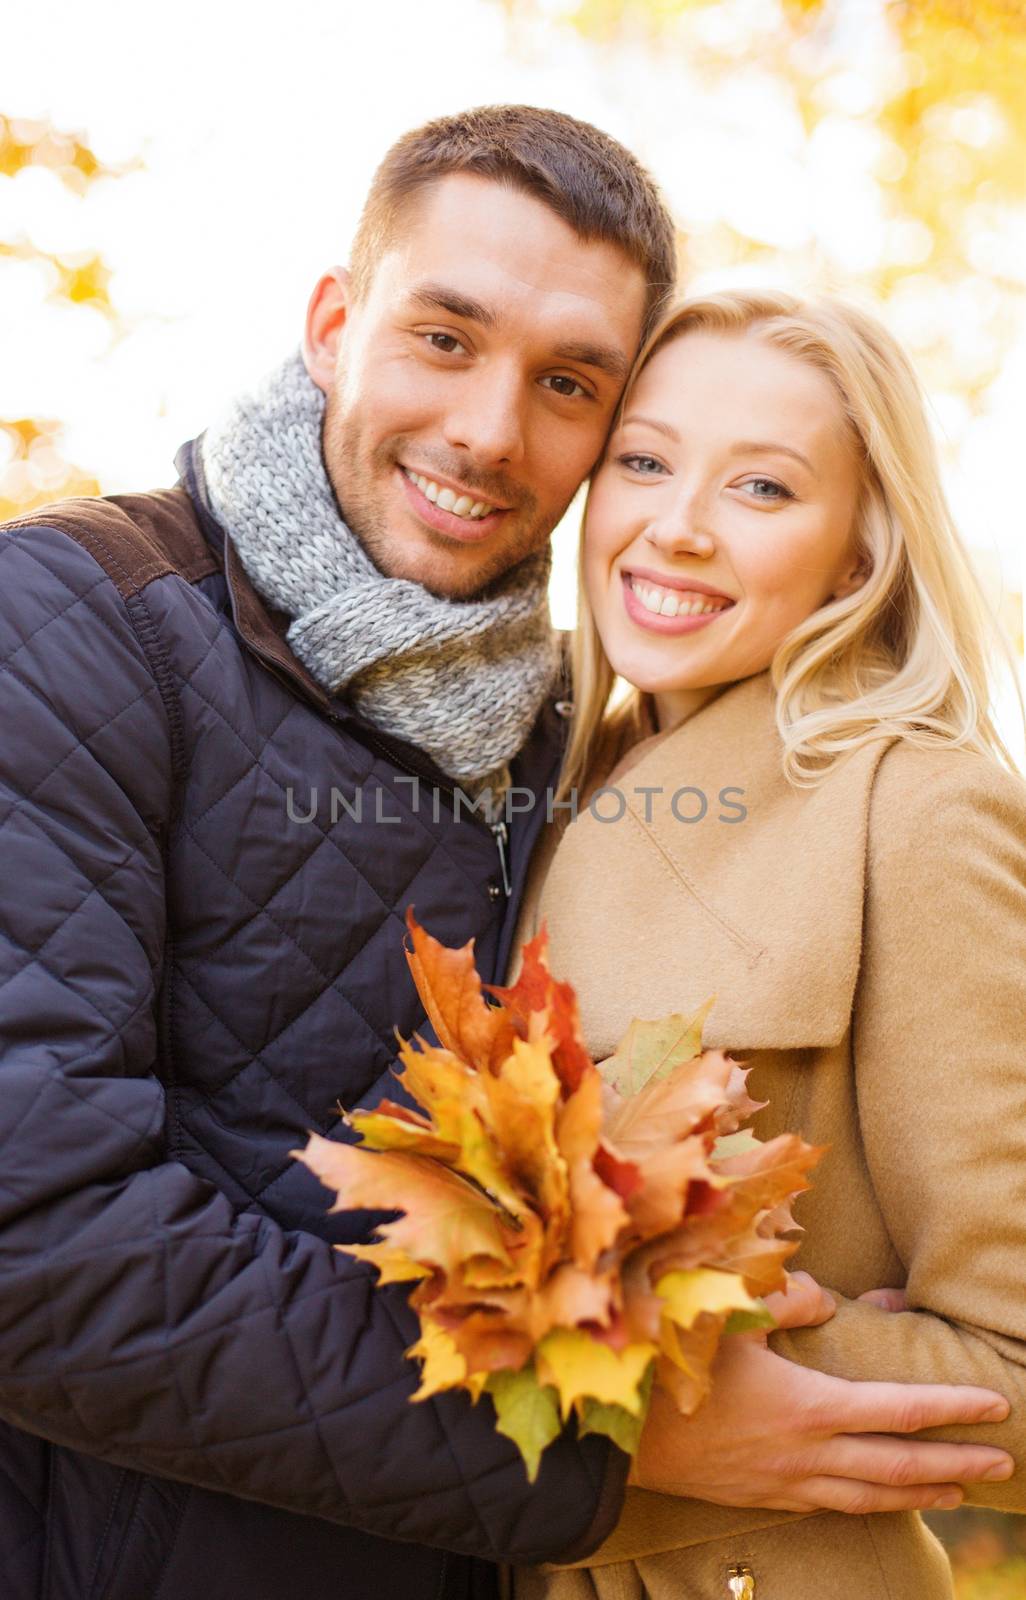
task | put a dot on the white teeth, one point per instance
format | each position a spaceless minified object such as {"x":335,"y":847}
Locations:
{"x":460,"y":505}
{"x":674,"y":603}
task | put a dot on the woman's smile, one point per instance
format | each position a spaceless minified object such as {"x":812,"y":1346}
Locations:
{"x":667,"y":608}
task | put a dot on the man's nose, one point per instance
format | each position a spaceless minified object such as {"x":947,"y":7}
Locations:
{"x":684,"y":525}
{"x":488,"y":421}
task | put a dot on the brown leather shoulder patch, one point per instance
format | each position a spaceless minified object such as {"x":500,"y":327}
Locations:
{"x":134,"y":537}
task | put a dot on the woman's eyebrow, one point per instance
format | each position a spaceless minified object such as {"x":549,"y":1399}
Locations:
{"x":652,"y":422}
{"x":756,"y":446}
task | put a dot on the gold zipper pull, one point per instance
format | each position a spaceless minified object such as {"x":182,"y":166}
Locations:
{"x":741,"y":1583}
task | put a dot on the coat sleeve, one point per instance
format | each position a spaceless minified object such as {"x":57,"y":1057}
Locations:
{"x":142,"y":1319}
{"x":939,"y":1039}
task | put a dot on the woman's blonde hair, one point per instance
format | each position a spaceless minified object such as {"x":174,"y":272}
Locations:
{"x":907,"y":653}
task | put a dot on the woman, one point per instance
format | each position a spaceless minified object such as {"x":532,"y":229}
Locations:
{"x":813,"y":818}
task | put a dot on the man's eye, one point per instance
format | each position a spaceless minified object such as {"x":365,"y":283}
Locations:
{"x":562,"y":385}
{"x":643,"y":466}
{"x":447,"y":343}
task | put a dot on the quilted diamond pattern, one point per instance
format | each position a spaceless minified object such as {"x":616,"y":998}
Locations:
{"x":191,"y":978}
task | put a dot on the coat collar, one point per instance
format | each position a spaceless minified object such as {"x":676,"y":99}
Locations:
{"x":765,"y":912}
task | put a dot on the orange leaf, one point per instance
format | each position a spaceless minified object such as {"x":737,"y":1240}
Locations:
{"x":446,"y":1219}
{"x":597,"y":1212}
{"x":672,"y":1108}
{"x":451,"y":994}
{"x":537,"y":992}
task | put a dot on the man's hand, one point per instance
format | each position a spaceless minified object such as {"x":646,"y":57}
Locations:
{"x":774,"y":1434}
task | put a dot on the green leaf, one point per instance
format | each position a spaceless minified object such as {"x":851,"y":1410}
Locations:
{"x":616,"y":1422}
{"x":649,"y":1051}
{"x":527,"y":1413}
{"x":745,"y":1321}
{"x":734,"y":1144}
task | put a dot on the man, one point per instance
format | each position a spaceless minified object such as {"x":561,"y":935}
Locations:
{"x":230,"y":714}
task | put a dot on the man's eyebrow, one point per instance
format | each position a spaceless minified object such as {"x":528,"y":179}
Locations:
{"x":438,"y":297}
{"x":603,"y":357}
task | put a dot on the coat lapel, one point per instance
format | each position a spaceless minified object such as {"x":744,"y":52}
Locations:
{"x":651,"y":914}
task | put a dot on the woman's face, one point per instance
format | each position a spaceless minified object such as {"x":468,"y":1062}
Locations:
{"x":732,"y":472}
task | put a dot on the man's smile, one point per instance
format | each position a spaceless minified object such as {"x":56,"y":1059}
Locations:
{"x":449,"y":510}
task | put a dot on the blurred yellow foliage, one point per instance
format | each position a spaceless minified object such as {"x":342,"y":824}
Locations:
{"x":25,"y":143}
{"x":33,"y":470}
{"x":946,"y":101}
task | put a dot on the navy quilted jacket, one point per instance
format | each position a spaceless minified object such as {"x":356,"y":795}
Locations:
{"x":198,"y":959}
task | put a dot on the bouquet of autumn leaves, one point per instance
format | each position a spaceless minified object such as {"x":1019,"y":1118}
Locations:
{"x":573,"y":1231}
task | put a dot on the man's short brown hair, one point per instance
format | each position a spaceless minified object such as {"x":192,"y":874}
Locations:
{"x":588,"y":179}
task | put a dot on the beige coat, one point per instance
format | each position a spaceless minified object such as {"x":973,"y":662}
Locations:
{"x":866,"y":943}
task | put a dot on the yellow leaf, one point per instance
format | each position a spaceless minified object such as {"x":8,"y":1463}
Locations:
{"x":394,"y":1266}
{"x":581,"y":1368}
{"x":649,"y":1051}
{"x":379,"y":1131}
{"x":444,"y":1367}
{"x":687,"y":1294}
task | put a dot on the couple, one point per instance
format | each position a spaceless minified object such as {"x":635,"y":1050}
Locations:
{"x":346,"y":594}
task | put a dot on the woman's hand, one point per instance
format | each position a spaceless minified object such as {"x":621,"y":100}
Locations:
{"x":786,"y":1437}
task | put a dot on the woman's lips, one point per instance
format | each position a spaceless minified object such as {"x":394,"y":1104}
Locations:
{"x":655,"y":623}
{"x":463,"y":528}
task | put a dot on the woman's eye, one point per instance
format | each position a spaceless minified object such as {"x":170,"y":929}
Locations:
{"x":447,"y":343}
{"x":767,"y":489}
{"x":644,"y":466}
{"x":564,"y":386}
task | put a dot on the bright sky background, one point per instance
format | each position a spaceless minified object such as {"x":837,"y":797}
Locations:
{"x":260,"y":125}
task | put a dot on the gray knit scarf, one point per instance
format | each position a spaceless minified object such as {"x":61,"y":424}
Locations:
{"x":463,"y":680}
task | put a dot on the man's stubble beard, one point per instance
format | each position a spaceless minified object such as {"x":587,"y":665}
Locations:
{"x":354,"y":489}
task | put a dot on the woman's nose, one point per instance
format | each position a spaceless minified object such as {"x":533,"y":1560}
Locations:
{"x":682,"y":527}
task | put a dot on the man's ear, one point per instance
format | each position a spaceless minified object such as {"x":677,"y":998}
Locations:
{"x":325,"y":319}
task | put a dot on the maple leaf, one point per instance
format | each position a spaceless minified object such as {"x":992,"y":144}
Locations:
{"x":564,"y":1237}
{"x":383,"y":1129}
{"x":582,"y":1368}
{"x":445,"y":1219}
{"x":650,"y":1051}
{"x":451,"y":993}
{"x":684,"y":1368}
{"x":536,"y":992}
{"x":597,"y":1212}
{"x":672,"y":1107}
{"x":526,"y":1411}
{"x":443,"y":1366}
{"x":686,"y":1295}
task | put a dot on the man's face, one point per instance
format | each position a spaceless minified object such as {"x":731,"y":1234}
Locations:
{"x":470,"y":391}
